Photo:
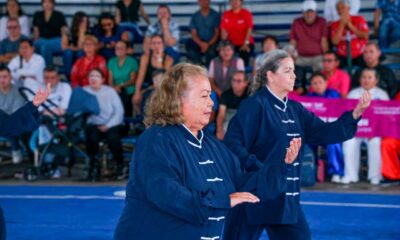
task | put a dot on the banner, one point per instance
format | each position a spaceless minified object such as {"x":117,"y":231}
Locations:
{"x":382,"y":118}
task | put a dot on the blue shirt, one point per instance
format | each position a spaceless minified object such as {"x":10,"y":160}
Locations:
{"x":205,"y":25}
{"x":390,"y":9}
{"x":329,"y":93}
{"x":179,"y":186}
{"x":155,"y":29}
{"x":259,"y":135}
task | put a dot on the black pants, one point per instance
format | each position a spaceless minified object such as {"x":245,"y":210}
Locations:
{"x":245,"y":55}
{"x":126,"y":102}
{"x":194,"y":54}
{"x":112,"y":138}
{"x":2,"y":225}
{"x":236,"y":228}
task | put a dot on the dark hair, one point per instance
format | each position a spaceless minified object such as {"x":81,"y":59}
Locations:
{"x":333,"y":53}
{"x":4,"y":68}
{"x":225,"y":43}
{"x":373,"y":44}
{"x":124,"y":42}
{"x":76,"y":22}
{"x":52,"y":1}
{"x":50,"y":68}
{"x":372,"y":70}
{"x":318,"y":74}
{"x":97,"y":70}
{"x":24,"y":40}
{"x":271,"y":37}
{"x":271,"y":62}
{"x":246,"y":77}
{"x":109,"y":16}
{"x":20,"y":12}
{"x":157,"y":71}
{"x":163,"y":5}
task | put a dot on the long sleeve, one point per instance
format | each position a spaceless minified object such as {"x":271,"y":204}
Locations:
{"x":117,"y":116}
{"x":23,"y":120}
{"x":25,"y":26}
{"x":159,"y":170}
{"x":242,"y":133}
{"x":319,"y":132}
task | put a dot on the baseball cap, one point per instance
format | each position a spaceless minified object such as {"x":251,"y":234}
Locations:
{"x":309,"y":5}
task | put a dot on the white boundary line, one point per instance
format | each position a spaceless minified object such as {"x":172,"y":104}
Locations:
{"x":339,"y":204}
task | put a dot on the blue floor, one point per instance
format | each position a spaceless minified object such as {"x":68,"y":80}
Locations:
{"x":92,"y":213}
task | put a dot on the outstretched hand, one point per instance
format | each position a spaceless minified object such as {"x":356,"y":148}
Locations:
{"x":363,"y":104}
{"x":41,"y":95}
{"x":293,"y":150}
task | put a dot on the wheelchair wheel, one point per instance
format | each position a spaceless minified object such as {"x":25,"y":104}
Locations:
{"x":31,"y":174}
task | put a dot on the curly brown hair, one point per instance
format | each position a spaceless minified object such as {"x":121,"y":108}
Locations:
{"x":164,"y":107}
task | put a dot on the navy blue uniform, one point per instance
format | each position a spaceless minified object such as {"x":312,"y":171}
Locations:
{"x":259,"y":135}
{"x":179,"y":186}
{"x":23,"y":120}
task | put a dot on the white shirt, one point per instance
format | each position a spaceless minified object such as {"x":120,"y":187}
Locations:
{"x":60,"y":95}
{"x":239,"y":67}
{"x":330,"y":12}
{"x":23,"y":22}
{"x":376,"y":93}
{"x":33,"y":67}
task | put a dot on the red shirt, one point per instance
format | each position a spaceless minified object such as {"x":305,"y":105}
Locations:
{"x":308,"y":36}
{"x":357,"y":45}
{"x":340,"y":81}
{"x":82,"y":67}
{"x":237,"y":25}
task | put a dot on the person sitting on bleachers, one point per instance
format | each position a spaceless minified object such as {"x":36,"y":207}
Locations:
{"x":236,"y":27}
{"x":9,"y":46}
{"x":319,"y":88}
{"x":230,"y":101}
{"x":127,"y":15}
{"x":14,"y":10}
{"x":157,"y":77}
{"x":338,"y":79}
{"x":156,"y":58}
{"x":204,"y":27}
{"x":269,"y":43}
{"x":108,"y":33}
{"x":351,"y":148}
{"x":387,"y":78}
{"x":349,"y":30}
{"x":223,"y":67}
{"x":72,"y":41}
{"x":48,"y":27}
{"x":10,"y":101}
{"x":390,"y":148}
{"x":168,"y":29}
{"x":122,"y":73}
{"x":105,"y":125}
{"x":309,"y":34}
{"x":330,"y":13}
{"x":27,"y":67}
{"x":91,"y":60}
{"x":387,"y":21}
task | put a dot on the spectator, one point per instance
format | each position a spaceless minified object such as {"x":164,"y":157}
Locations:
{"x":9,"y":46}
{"x":14,"y":10}
{"x":351,"y":148}
{"x":387,"y":78}
{"x":106,"y":125}
{"x":157,"y":77}
{"x":168,"y":29}
{"x":72,"y":42}
{"x":319,"y":88}
{"x":127,"y":15}
{"x":60,"y":96}
{"x":390,"y":156}
{"x":122,"y":71}
{"x":236,"y":27}
{"x":386,"y":22}
{"x":338,"y":79}
{"x":157,"y":58}
{"x":349,"y":30}
{"x":309,"y":34}
{"x":91,"y":60}
{"x":10,"y":101}
{"x":330,"y":13}
{"x":222,"y":67}
{"x":204,"y":27}
{"x":48,"y":27}
{"x":230,"y":101}
{"x":269,"y":43}
{"x":27,"y":67}
{"x":301,"y":84}
{"x":108,"y":33}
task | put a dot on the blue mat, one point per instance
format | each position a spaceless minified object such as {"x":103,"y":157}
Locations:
{"x":73,"y":212}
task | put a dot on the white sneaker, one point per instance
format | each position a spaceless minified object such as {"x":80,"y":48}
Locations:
{"x":346,"y":180}
{"x":56,"y":174}
{"x":375,"y":181}
{"x":16,"y":157}
{"x":335,"y":178}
